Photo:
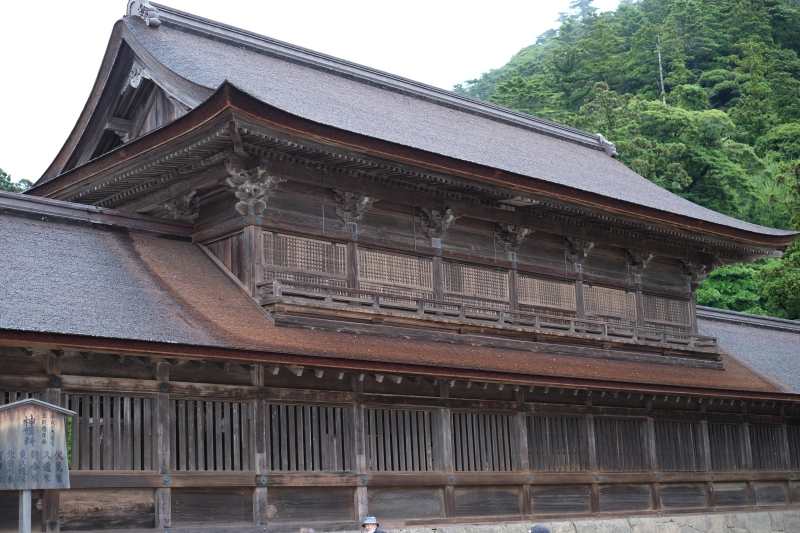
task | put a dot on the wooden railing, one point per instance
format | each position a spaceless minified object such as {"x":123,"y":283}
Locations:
{"x":275,"y":290}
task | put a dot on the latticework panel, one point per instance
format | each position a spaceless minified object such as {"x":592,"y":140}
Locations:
{"x":305,"y":278}
{"x":483,"y":442}
{"x":793,"y":433}
{"x":475,"y":282}
{"x":537,"y":293}
{"x":679,"y":446}
{"x":477,"y":302}
{"x":304,"y":255}
{"x":111,"y":432}
{"x":726,"y":446}
{"x":310,"y":437}
{"x":210,"y":435}
{"x":620,"y":445}
{"x":766,"y":443}
{"x":408,"y":292}
{"x":604,"y":302}
{"x":557,"y":444}
{"x":395,"y":269}
{"x":399,"y":440}
{"x":668,"y":310}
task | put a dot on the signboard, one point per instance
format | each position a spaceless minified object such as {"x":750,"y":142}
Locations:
{"x":33,"y":446}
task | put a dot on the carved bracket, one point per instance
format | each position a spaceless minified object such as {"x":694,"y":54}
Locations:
{"x":578,"y":249}
{"x":252,"y":186}
{"x":637,"y":261}
{"x":436,"y":223}
{"x":511,"y":236}
{"x":350,"y":207}
{"x":693,"y":273}
{"x":144,"y":10}
{"x":185,"y":207}
{"x":137,"y":74}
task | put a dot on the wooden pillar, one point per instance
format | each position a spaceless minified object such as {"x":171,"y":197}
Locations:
{"x":747,"y":459}
{"x":786,"y":458}
{"x":24,"y":511}
{"x":352,"y":265}
{"x":51,"y":498}
{"x":445,"y":450}
{"x":594,"y":490}
{"x":693,"y":311}
{"x":438,"y":279}
{"x":259,"y":446}
{"x":579,"y":300}
{"x":523,"y":451}
{"x":705,"y":441}
{"x":639,"y":304}
{"x":650,"y":433}
{"x":513,"y":295}
{"x":360,"y":496}
{"x":252,"y":258}
{"x":163,"y":500}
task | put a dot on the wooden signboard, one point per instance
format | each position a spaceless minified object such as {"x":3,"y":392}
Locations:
{"x":33,"y":450}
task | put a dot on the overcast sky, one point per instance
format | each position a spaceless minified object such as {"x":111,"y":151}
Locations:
{"x":52,"y":50}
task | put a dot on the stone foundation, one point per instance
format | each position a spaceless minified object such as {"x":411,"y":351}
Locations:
{"x":754,"y":522}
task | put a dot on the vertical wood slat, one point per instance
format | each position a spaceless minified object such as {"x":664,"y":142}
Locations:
{"x":191,"y":446}
{"x":398,"y":440}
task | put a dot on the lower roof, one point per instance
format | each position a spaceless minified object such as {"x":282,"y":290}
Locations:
{"x":81,"y":281}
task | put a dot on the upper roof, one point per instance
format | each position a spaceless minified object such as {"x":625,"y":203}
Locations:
{"x":203,"y":55}
{"x":120,"y":288}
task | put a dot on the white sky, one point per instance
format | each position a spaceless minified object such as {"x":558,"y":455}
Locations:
{"x":51,"y":53}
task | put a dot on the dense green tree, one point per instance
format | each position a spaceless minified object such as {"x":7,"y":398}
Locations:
{"x":7,"y":185}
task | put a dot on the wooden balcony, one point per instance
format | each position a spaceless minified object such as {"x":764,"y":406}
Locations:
{"x":282,"y":296}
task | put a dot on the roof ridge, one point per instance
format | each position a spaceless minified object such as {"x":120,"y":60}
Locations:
{"x":25,"y":203}
{"x":748,"y":319}
{"x":361,"y":73}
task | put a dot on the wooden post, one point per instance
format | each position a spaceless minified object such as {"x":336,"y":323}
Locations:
{"x":445,"y":447}
{"x":639,"y":304}
{"x":259,"y":447}
{"x":652,"y":455}
{"x":252,"y":257}
{"x":513,"y":295}
{"x":706,"y":441}
{"x":522,"y":449}
{"x":438,"y":279}
{"x":579,"y":301}
{"x":352,"y":265}
{"x":361,"y":497}
{"x":786,"y":458}
{"x":163,"y":496}
{"x":51,"y":497}
{"x":25,"y":511}
{"x":594,"y":490}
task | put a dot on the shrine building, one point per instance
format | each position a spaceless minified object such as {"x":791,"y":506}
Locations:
{"x":282,"y":290}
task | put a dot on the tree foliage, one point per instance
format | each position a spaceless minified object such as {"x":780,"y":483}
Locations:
{"x":724,"y":132}
{"x":7,"y":185}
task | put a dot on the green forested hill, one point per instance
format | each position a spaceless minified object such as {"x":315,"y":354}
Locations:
{"x":715,"y":118}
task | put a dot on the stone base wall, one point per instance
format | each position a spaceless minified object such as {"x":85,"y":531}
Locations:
{"x":755,"y":522}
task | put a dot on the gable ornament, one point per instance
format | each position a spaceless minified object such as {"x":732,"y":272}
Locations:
{"x":252,"y":186}
{"x":145,"y":11}
{"x":185,"y":207}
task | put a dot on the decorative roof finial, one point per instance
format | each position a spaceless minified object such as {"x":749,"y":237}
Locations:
{"x":607,"y":146}
{"x":146,"y":11}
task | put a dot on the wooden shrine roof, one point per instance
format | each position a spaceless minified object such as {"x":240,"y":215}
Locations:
{"x":104,"y":286}
{"x":195,"y":56}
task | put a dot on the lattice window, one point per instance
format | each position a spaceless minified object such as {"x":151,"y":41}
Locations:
{"x":602,"y":302}
{"x":483,"y":442}
{"x":309,"y":437}
{"x":395,"y":269}
{"x":111,"y":432}
{"x":305,"y":278}
{"x":7,"y":397}
{"x":793,"y":433}
{"x":287,"y":253}
{"x":766,"y":442}
{"x":537,"y":292}
{"x":210,"y":435}
{"x":725,"y":441}
{"x":620,"y":445}
{"x":399,"y":440}
{"x":557,"y":444}
{"x":669,"y":310}
{"x":472,"y":282}
{"x":679,"y":446}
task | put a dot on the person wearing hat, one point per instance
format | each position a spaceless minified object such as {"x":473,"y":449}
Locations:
{"x":539,"y":528}
{"x":371,"y":525}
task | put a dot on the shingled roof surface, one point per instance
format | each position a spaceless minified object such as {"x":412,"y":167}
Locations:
{"x":94,"y":280}
{"x":364,"y":101}
{"x":766,"y":345}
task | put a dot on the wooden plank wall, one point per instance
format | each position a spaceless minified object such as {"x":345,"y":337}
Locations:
{"x":164,"y":453}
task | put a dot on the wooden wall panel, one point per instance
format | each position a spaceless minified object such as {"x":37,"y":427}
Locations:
{"x":771,"y":493}
{"x":557,"y":444}
{"x":795,"y":488}
{"x":683,"y":495}
{"x":311,"y":503}
{"x":86,"y":510}
{"x":487,"y":501}
{"x":730,"y":494}
{"x":9,"y":511}
{"x":563,"y":499}
{"x":411,"y":502}
{"x":209,"y":506}
{"x":624,"y":497}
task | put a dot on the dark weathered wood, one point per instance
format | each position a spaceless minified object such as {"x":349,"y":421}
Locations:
{"x":561,"y":499}
{"x":403,"y":503}
{"x":312,"y":504}
{"x":624,"y":498}
{"x":83,"y":509}
{"x":213,"y":505}
{"x":682,"y":496}
{"x":486,"y":501}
